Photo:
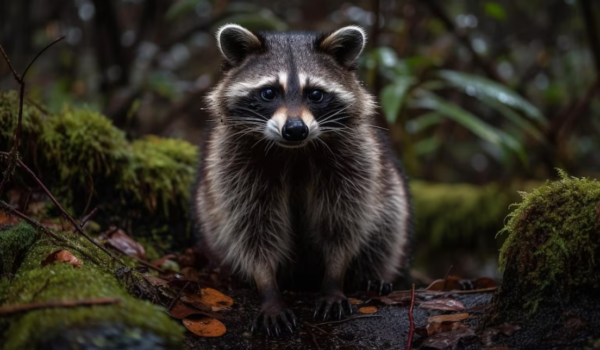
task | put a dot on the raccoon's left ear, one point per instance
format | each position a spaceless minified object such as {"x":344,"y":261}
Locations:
{"x":236,"y":42}
{"x":345,"y":44}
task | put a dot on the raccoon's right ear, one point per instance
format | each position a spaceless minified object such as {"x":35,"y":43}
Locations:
{"x":236,"y":42}
{"x":345,"y":44}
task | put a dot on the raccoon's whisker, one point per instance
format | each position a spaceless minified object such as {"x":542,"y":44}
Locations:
{"x":377,"y":127}
{"x":254,"y":112}
{"x":271,"y":144}
{"x":334,"y":113}
{"x":259,"y":140}
{"x":326,"y":146}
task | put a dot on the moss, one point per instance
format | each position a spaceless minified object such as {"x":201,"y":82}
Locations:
{"x":13,"y":244}
{"x":552,"y":246}
{"x":60,"y":281}
{"x":162,"y":172}
{"x":86,"y":162}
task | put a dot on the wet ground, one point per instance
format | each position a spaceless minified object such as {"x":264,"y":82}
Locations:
{"x":386,"y":329}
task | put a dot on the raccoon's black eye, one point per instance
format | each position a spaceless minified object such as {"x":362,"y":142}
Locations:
{"x":315,"y":95}
{"x":268,"y":94}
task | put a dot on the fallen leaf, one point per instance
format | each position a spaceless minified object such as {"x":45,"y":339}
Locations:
{"x":367,"y":310}
{"x":62,"y":256}
{"x":435,"y":327}
{"x":155,"y":281}
{"x":215,"y":299}
{"x":443,"y":304}
{"x":396,"y":297}
{"x":190,"y":273}
{"x":159,"y":262}
{"x":447,"y":318}
{"x":447,"y":339}
{"x":122,"y":242}
{"x":6,"y":219}
{"x":484,"y":282}
{"x":180,"y":311}
{"x":195,"y":300}
{"x":489,"y":335}
{"x":205,"y":326}
{"x":354,"y":301}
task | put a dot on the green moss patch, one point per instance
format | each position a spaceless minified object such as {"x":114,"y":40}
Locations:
{"x":62,"y":282}
{"x":86,"y":162}
{"x":552,"y":248}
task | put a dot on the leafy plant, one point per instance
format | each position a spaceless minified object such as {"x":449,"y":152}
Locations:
{"x":498,"y":116}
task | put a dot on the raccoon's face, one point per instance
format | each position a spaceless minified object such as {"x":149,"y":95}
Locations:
{"x":290,"y":89}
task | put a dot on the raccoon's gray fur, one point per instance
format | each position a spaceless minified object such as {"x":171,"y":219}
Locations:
{"x":295,"y":184}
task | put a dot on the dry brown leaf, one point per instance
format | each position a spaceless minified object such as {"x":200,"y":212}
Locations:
{"x":354,"y":301}
{"x":489,"y":335}
{"x":62,"y":256}
{"x":215,"y":299}
{"x":180,"y":311}
{"x":435,"y":327}
{"x":159,"y":262}
{"x":155,"y":281}
{"x":447,"y":318}
{"x":396,"y":297}
{"x":367,"y":310}
{"x":447,"y":340}
{"x":205,"y":326}
{"x":6,"y":219}
{"x":122,"y":242}
{"x":443,"y":304}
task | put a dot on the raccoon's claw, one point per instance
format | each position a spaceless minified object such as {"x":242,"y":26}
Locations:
{"x":381,"y":287}
{"x":272,"y":321}
{"x":332,"y":305}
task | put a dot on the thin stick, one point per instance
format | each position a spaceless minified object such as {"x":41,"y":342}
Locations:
{"x":411,"y":331}
{"x":88,"y":217}
{"x":178,"y":296}
{"x":437,"y":292}
{"x":69,"y":217}
{"x":14,"y":71}
{"x":314,"y":339}
{"x":446,"y":276}
{"x":315,"y":327}
{"x":7,"y":208}
{"x":13,"y":309}
{"x":348,"y":319}
{"x":39,"y":54}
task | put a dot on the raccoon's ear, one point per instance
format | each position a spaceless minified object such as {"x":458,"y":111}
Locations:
{"x":236,"y":42}
{"x":345,"y":44}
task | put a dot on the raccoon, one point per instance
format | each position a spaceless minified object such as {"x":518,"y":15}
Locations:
{"x":295,"y":185}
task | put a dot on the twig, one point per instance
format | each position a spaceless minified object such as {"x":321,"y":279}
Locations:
{"x":315,"y":327}
{"x":14,"y":72}
{"x":13,"y":309}
{"x":411,"y":331}
{"x":7,"y":208}
{"x":425,"y":291}
{"x":88,"y":216}
{"x":348,"y":319}
{"x":178,"y":296}
{"x":314,"y":339}
{"x":39,"y":54}
{"x":64,"y":212}
{"x":446,"y":276}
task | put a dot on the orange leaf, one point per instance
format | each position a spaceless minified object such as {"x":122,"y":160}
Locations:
{"x":205,"y":326}
{"x":447,"y":318}
{"x":355,"y":301}
{"x":367,"y":310}
{"x":215,"y":299}
{"x":181,"y":311}
{"x":6,"y":219}
{"x":62,"y":256}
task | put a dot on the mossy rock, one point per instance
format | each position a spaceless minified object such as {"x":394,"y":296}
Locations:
{"x":132,"y":324}
{"x":550,"y":259}
{"x":87,"y":162}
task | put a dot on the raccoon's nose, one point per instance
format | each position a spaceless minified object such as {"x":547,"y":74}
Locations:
{"x":294,"y":130}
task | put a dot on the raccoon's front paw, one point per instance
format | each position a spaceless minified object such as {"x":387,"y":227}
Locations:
{"x":381,"y":287}
{"x":333,"y":303}
{"x":271,"y":316}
